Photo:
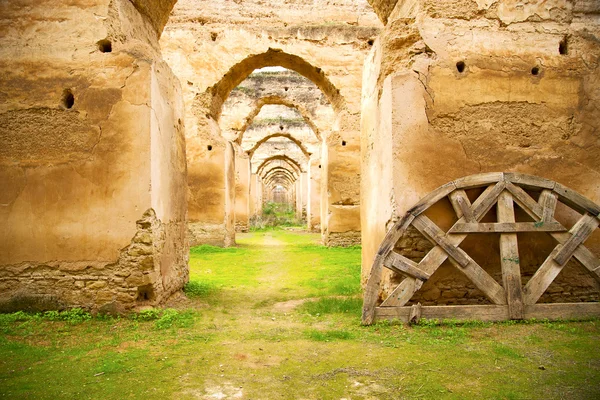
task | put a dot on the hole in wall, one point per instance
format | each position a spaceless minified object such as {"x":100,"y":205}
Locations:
{"x":190,"y":83}
{"x":563,"y":46}
{"x":535,"y":71}
{"x":213,"y":36}
{"x":280,"y":127}
{"x":105,"y":46}
{"x":144,"y":293}
{"x":370,"y":42}
{"x":460,"y":66}
{"x":286,"y":88}
{"x":319,"y":165}
{"x":209,"y":147}
{"x":68,"y":100}
{"x":343,"y":142}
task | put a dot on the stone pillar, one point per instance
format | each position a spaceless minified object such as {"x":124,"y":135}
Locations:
{"x":298,"y":197}
{"x":313,"y":217}
{"x":92,"y":198}
{"x":242,"y":191}
{"x":341,"y":156}
{"x":229,"y":238}
{"x":304,"y":179}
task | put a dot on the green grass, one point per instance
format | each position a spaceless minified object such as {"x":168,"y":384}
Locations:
{"x":279,"y":317}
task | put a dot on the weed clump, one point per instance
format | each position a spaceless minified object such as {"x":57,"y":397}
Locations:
{"x":275,"y":215}
{"x":332,"y":305}
{"x":197,"y":289}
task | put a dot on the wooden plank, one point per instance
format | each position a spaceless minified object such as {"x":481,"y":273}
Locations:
{"x":542,"y":278}
{"x":462,"y":205}
{"x":488,"y":199}
{"x":372,"y":288}
{"x":415,"y":314}
{"x":576,"y":200}
{"x":460,"y":313}
{"x":403,"y":292}
{"x":507,"y":227}
{"x":403,"y":265}
{"x":435,"y":234}
{"x":478,"y":180}
{"x":562,"y":310}
{"x":432,"y":198}
{"x":547,"y":201}
{"x":525,"y":201}
{"x":529,"y":181}
{"x":580,"y":232}
{"x":491,"y":313}
{"x":509,"y":258}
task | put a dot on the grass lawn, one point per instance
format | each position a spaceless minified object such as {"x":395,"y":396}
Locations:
{"x":279,"y":318}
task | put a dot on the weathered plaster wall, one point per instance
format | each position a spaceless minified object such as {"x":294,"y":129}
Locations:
{"x":522,"y":100}
{"x":78,"y":172}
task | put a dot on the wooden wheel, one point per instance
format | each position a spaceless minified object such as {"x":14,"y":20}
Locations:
{"x":510,"y":300}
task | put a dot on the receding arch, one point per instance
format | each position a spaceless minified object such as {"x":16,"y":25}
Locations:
{"x":276,"y":135}
{"x":279,"y":170}
{"x":277,"y":100}
{"x":219,"y":92}
{"x":292,"y":167}
{"x":293,"y":174}
{"x":279,"y":157}
{"x":280,"y":176}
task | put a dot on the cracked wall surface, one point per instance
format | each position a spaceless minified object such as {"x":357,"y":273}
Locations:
{"x":455,"y":88}
{"x":91,"y":137}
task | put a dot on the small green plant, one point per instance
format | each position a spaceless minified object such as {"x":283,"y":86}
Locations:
{"x":331,"y":305}
{"x":275,"y":215}
{"x":197,"y":289}
{"x":173,"y":318}
{"x":72,"y":316}
{"x":150,"y":314}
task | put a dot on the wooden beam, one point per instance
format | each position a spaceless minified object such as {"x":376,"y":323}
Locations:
{"x":580,"y":232}
{"x":462,"y":205}
{"x":525,"y":201}
{"x":491,"y":313}
{"x":562,"y":310}
{"x":461,"y":313}
{"x":576,"y":201}
{"x":372,"y":289}
{"x":529,"y":181}
{"x":472,"y":181}
{"x":437,"y":236}
{"x":403,"y":265}
{"x":509,"y":258}
{"x":548,"y":200}
{"x":507,"y":227}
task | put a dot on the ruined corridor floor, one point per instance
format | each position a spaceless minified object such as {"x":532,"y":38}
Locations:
{"x":278,"y":317}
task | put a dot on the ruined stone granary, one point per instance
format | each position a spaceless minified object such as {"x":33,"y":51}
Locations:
{"x":130,"y":129}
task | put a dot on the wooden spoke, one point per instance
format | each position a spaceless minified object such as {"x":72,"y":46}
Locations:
{"x":462,"y":205}
{"x":511,"y":300}
{"x":580,"y":232}
{"x":436,"y":235}
{"x":403,"y":265}
{"x":548,"y":202}
{"x":509,"y":258}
